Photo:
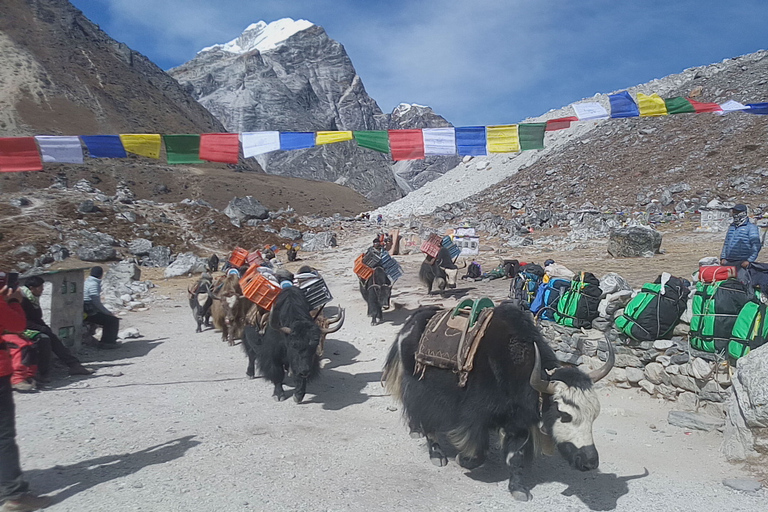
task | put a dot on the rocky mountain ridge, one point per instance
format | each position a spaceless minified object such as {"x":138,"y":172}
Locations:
{"x":670,"y":164}
{"x":307,"y":83}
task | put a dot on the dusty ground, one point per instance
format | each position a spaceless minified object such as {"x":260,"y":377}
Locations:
{"x":170,"y":423}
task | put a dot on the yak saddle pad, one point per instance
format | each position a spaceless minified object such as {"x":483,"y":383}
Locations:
{"x":452,"y":337}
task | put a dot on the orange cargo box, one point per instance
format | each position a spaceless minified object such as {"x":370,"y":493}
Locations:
{"x":238,"y":256}
{"x":362,"y":270}
{"x":259,"y":289}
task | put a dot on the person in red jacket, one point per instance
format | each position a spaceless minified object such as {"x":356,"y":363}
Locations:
{"x":14,"y":494}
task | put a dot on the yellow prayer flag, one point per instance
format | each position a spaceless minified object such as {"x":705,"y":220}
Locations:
{"x":502,"y":139}
{"x":652,"y":105}
{"x":144,"y":144}
{"x":331,"y":137}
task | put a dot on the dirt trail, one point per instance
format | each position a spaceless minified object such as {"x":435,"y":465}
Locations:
{"x":171,"y":423}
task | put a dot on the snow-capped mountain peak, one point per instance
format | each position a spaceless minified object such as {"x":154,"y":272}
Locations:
{"x":262,"y":36}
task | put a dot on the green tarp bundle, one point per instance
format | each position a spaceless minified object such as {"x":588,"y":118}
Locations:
{"x":749,"y":331}
{"x":715,"y":309}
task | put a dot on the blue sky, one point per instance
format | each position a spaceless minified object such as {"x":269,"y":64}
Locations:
{"x":475,"y":62}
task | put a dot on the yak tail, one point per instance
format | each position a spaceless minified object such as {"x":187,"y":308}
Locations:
{"x":392,"y":375}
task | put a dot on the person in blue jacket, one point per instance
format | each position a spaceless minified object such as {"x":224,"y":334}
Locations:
{"x":742,"y":241}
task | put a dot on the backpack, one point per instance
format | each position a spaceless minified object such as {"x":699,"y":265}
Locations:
{"x":523,"y":288}
{"x":24,"y":355}
{"x":577,"y":307}
{"x":653,"y":313}
{"x":715,"y":309}
{"x":473,"y":271}
{"x":749,"y":331}
{"x":547,"y":296}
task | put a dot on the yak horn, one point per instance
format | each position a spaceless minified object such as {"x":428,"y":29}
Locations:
{"x":285,"y":330}
{"x":542,"y":386}
{"x":337,"y":323}
{"x":601,"y":372}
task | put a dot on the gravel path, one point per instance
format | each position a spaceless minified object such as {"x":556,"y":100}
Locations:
{"x":171,"y":423}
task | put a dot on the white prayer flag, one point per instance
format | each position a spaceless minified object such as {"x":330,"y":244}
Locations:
{"x":60,"y":149}
{"x":439,"y":141}
{"x":592,"y":110}
{"x":732,"y":106}
{"x":258,"y":143}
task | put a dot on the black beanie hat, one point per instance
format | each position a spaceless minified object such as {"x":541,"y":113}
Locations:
{"x":97,"y":272}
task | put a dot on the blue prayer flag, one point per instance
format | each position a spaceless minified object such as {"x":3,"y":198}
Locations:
{"x":104,"y":146}
{"x":757,"y":108}
{"x":296,"y":140}
{"x":622,"y":105}
{"x":470,"y":140}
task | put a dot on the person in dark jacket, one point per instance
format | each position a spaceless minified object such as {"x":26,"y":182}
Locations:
{"x":38,"y":331}
{"x":14,"y":491}
{"x":742,"y":242}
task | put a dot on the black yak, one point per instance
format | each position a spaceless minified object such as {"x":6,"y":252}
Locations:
{"x":376,"y":292}
{"x":289,"y":342}
{"x":439,"y":272}
{"x":502,"y":393}
{"x":200,"y":301}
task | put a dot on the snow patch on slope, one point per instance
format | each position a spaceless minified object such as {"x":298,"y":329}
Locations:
{"x":262,"y":36}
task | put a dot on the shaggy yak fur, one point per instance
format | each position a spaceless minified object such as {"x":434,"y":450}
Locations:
{"x":499,"y":396}
{"x":290,"y":342}
{"x":376,"y":292}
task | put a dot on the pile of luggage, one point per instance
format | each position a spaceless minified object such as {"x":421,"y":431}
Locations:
{"x":377,"y":257}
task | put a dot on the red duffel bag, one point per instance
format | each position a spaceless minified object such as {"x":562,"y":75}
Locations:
{"x":23,"y":357}
{"x":713,"y":273}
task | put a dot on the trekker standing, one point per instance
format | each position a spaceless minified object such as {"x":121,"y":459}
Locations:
{"x":14,"y":494}
{"x":742,"y":242}
{"x":38,"y":331}
{"x":96,"y":312}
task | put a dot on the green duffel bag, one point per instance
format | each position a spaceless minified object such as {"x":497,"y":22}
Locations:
{"x":715,"y":309}
{"x":577,"y":306}
{"x":750,"y":330}
{"x":651,"y":315}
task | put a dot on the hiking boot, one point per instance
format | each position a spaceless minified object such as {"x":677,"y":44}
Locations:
{"x":43,"y":379}
{"x":25,"y":386}
{"x":79,"y":369}
{"x":26,"y":503}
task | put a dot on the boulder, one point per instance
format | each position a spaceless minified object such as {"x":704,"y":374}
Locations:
{"x":97,"y":253}
{"x":318,"y":241}
{"x":694,"y":421}
{"x":634,"y":242}
{"x":654,"y":373}
{"x":58,"y":252}
{"x":140,"y":247}
{"x":95,"y":238}
{"x":87,"y":206}
{"x":118,"y":278}
{"x":25,"y":250}
{"x":186,"y":263}
{"x":290,"y":233}
{"x":241,"y":209}
{"x":159,"y":256}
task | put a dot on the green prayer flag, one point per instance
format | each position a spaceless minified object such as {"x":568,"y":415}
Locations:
{"x":182,"y":149}
{"x":531,"y":135}
{"x":378,"y":140}
{"x":679,"y":105}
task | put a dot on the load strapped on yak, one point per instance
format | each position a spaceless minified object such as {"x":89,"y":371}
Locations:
{"x":377,"y":257}
{"x":451,"y":338}
{"x":577,"y":307}
{"x":654,"y":312}
{"x":261,"y":285}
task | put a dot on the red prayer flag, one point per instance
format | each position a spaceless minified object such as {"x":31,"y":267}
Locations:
{"x":705,"y":107}
{"x":406,"y":144}
{"x":19,"y":154}
{"x":220,"y":147}
{"x":560,"y":124}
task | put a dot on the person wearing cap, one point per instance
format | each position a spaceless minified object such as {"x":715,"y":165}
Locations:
{"x":742,"y":241}
{"x":37,"y":330}
{"x":96,"y":312}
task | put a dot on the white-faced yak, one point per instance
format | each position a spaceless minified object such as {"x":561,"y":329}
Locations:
{"x":501,"y":393}
{"x":376,"y":292}
{"x":439,"y":272}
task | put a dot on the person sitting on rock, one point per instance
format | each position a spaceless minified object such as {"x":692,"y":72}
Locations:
{"x":742,"y":242}
{"x":39,"y":332}
{"x":96,"y":312}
